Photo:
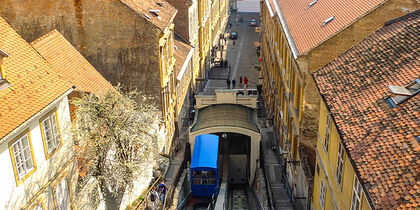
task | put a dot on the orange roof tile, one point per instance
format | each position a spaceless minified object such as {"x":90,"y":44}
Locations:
{"x":305,"y":24}
{"x":34,"y":82}
{"x":70,"y":63}
{"x":166,"y":11}
{"x":180,"y":53}
{"x":381,"y":141}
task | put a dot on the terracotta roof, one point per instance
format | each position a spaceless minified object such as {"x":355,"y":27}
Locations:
{"x":305,"y":24}
{"x":381,"y":140}
{"x":181,"y":51}
{"x":165,"y":15}
{"x":34,"y":83}
{"x":70,"y":63}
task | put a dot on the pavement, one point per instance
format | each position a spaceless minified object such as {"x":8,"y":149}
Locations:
{"x":241,"y":57}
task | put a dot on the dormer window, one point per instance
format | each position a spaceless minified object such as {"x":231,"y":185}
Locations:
{"x":401,"y":94}
{"x":3,"y":83}
{"x":2,"y":55}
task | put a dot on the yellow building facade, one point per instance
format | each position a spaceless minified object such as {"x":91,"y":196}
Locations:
{"x":368,"y":133}
{"x":283,"y":91}
{"x":335,"y":178}
{"x":283,"y":83}
{"x":212,"y":16}
{"x":168,"y":88}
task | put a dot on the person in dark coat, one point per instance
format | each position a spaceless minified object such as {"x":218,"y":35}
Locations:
{"x":240,"y":81}
{"x":233,"y":83}
{"x":228,"y":83}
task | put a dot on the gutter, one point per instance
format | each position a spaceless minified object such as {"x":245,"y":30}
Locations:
{"x":38,"y":114}
{"x":286,"y":31}
{"x":185,"y":65}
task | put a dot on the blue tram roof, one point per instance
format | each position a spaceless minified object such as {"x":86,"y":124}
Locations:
{"x":205,"y":151}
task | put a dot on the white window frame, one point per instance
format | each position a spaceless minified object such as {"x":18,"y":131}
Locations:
{"x":163,"y":60}
{"x":58,"y":189}
{"x":22,"y":156}
{"x":327,"y":134}
{"x":322,"y":194}
{"x":340,"y":164}
{"x":39,"y":206}
{"x":356,"y":198}
{"x":51,"y":132}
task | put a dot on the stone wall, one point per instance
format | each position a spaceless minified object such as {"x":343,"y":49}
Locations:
{"x":119,"y":43}
{"x":333,"y":47}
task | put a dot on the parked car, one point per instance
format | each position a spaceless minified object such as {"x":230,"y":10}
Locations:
{"x":233,"y":35}
{"x":253,"y":22}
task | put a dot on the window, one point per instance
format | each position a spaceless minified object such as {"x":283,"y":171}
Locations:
{"x":38,"y":207}
{"x":340,"y":163}
{"x":50,"y":133}
{"x":401,"y":94}
{"x":322,"y":194}
{"x":357,"y":194}
{"x":327,"y":134}
{"x":163,"y":61}
{"x":22,"y":156}
{"x":61,"y":195}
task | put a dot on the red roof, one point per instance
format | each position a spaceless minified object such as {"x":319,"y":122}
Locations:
{"x":306,"y":24}
{"x":34,"y":82}
{"x":381,"y":140}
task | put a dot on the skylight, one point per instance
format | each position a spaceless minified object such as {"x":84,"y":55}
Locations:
{"x":159,"y":3}
{"x":401,"y":94}
{"x":312,"y":3}
{"x":328,"y":20}
{"x":147,"y":16}
{"x":155,"y":12}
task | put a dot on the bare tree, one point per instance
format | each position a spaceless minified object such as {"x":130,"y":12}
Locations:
{"x":115,"y":140}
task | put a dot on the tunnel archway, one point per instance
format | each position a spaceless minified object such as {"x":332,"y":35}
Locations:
{"x":232,"y":120}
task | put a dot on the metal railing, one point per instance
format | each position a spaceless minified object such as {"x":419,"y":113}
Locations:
{"x":145,"y":194}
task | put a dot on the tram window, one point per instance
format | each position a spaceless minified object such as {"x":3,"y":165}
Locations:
{"x":203,"y":174}
{"x":201,"y":177}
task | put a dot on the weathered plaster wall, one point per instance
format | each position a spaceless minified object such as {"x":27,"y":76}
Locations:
{"x":333,"y":47}
{"x":118,"y":42}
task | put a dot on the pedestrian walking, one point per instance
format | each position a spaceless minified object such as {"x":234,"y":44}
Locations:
{"x":233,"y":42}
{"x":240,"y":81}
{"x":245,"y":80}
{"x":228,"y":83}
{"x":153,"y":195}
{"x":162,"y":190}
{"x":230,"y":25}
{"x":233,"y":83}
